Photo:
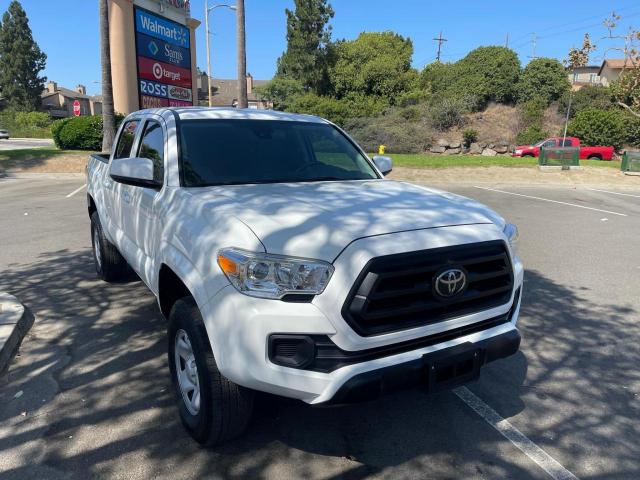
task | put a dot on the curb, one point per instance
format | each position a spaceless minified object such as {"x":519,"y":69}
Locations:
{"x":15,"y":322}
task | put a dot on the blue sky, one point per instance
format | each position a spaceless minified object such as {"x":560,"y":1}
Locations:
{"x":68,"y":30}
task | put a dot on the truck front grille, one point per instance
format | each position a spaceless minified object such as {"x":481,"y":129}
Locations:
{"x":396,"y":292}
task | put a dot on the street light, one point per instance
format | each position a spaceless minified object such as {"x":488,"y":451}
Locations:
{"x":207,"y":10}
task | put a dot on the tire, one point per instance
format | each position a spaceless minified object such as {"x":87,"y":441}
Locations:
{"x":528,"y":155}
{"x":594,"y":157}
{"x":110,"y":265}
{"x":224,"y":409}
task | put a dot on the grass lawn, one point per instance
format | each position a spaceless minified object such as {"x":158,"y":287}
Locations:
{"x":43,"y":159}
{"x":447,"y":161}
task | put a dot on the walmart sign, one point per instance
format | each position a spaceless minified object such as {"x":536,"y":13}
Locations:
{"x":162,"y":29}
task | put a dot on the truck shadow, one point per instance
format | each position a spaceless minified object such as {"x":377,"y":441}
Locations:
{"x":97,"y":398}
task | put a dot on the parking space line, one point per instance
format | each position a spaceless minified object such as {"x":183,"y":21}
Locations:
{"x":552,"y":201}
{"x":515,"y":436}
{"x":613,"y":193}
{"x":76,"y":191}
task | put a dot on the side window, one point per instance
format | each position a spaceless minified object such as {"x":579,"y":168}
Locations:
{"x":549,"y":143}
{"x":567,"y":142}
{"x":152,"y":147}
{"x":125,"y":142}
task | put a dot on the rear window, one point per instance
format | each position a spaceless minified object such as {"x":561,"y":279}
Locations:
{"x":223,"y":152}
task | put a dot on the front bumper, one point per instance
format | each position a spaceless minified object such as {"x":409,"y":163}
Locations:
{"x":240,"y":327}
{"x":439,"y":370}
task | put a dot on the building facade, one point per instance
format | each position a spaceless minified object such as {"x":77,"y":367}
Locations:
{"x":583,"y":76}
{"x":612,"y":68}
{"x":58,"y":101}
{"x":225,"y":92}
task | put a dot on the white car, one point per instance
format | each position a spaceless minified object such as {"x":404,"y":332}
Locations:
{"x":4,"y":134}
{"x":286,"y":263}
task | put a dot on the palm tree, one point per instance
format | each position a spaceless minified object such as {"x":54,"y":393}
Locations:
{"x":242,"y":57}
{"x":108,"y":117}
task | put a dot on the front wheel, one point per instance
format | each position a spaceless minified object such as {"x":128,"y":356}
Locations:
{"x":212,"y":408}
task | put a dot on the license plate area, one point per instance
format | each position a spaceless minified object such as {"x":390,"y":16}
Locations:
{"x":452,"y":367}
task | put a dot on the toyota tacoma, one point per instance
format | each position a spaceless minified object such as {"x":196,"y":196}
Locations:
{"x":286,"y":263}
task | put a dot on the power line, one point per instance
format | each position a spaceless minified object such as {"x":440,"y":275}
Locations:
{"x":440,"y":40}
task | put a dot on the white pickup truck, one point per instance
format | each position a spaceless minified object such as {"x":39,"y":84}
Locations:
{"x":286,"y":263}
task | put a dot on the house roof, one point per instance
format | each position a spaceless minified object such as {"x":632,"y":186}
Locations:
{"x":66,"y":92}
{"x":617,"y":63}
{"x":225,"y":91}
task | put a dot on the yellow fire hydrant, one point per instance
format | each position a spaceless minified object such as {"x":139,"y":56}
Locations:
{"x":381,"y":149}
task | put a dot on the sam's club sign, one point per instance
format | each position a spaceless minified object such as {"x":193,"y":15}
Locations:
{"x":163,"y":54}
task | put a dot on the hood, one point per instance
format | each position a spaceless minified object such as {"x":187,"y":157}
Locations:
{"x":319,"y":219}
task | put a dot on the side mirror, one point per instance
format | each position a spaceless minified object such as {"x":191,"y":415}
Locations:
{"x":384,"y":164}
{"x":135,"y":171}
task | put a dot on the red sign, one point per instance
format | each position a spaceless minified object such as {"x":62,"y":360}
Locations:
{"x":163,"y":72}
{"x":76,"y":108}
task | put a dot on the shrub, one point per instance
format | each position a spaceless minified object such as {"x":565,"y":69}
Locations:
{"x":398,"y":137}
{"x":469,"y":136}
{"x":589,"y":96}
{"x":531,"y":135}
{"x":26,"y":124}
{"x":599,"y":127}
{"x":80,"y":133}
{"x":336,"y":110}
{"x":632,"y":130}
{"x":532,"y":111}
{"x":545,"y":78}
{"x":447,"y":112}
{"x":280,"y":91}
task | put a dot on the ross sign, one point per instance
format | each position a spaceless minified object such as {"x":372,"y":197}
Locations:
{"x":76,"y":108}
{"x":164,"y":61}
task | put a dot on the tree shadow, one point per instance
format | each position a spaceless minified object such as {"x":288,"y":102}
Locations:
{"x":97,"y":398}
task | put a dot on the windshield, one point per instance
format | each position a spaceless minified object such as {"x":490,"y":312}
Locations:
{"x":227,"y":152}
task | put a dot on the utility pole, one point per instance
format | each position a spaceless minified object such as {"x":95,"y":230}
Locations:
{"x":506,"y":42}
{"x":243,"y":102}
{"x":207,"y":11}
{"x":440,"y":40}
{"x":534,"y":40}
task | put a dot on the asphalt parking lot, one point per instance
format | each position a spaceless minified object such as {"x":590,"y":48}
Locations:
{"x":89,"y":393}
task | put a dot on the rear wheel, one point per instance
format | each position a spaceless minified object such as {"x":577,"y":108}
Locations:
{"x":594,"y":157}
{"x":528,"y":155}
{"x":212,"y":408}
{"x":110,"y":265}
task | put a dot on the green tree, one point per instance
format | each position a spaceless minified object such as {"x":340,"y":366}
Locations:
{"x":589,"y":96}
{"x":375,"y":63}
{"x":599,"y":127}
{"x":490,"y":74}
{"x":21,"y":61}
{"x":281,"y":91}
{"x":308,"y":40}
{"x":545,"y":78}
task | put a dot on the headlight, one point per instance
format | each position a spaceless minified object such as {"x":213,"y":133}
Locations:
{"x":518,"y":152}
{"x":273,"y":276}
{"x":511,"y":232}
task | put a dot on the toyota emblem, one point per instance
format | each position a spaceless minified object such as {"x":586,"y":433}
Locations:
{"x":450,"y":283}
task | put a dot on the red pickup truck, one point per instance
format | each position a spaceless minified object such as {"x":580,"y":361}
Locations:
{"x":592,"y":153}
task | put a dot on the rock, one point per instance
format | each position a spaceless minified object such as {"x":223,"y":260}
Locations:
{"x":437,"y":149}
{"x":443,"y":143}
{"x":488,"y":152}
{"x":482,"y":145}
{"x":454,"y":145}
{"x":491,"y":145}
{"x":475,"y":149}
{"x":501,"y":148}
{"x":452,"y":151}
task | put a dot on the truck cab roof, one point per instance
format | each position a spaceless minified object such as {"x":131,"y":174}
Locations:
{"x":227,"y":113}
